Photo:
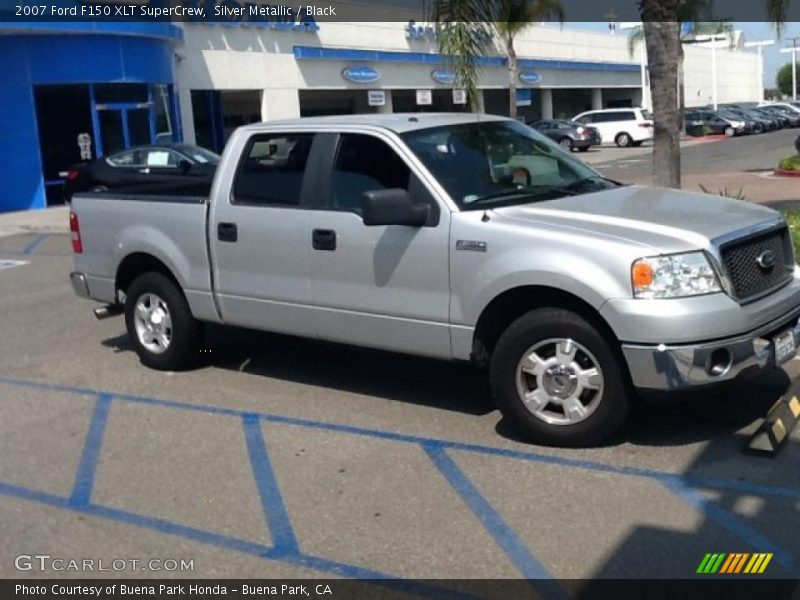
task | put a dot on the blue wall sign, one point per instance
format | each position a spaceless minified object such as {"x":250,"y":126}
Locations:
{"x":530,"y":77}
{"x":443,"y":76}
{"x":524,"y":97}
{"x":361,"y":74}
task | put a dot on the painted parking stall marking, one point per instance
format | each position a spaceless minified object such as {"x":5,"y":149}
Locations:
{"x":10,"y":264}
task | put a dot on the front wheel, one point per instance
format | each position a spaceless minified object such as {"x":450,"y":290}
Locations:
{"x":566,"y":144}
{"x":160,"y":325}
{"x":729,"y":132}
{"x":558,"y":380}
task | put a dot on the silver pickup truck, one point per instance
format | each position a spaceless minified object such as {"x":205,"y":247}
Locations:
{"x":458,"y":237}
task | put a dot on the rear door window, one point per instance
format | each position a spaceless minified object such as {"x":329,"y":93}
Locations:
{"x":272,"y":169}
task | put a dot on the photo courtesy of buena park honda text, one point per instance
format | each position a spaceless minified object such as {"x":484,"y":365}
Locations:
{"x":451,"y":299}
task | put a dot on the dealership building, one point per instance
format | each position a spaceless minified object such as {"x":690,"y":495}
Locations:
{"x":72,"y":91}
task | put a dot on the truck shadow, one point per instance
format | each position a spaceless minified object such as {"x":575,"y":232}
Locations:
{"x":385,"y":375}
{"x":684,"y":419}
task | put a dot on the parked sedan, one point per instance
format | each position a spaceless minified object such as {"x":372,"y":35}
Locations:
{"x":173,"y":168}
{"x":705,"y":122}
{"x":787,"y":116}
{"x":571,"y":135}
{"x":754,"y":122}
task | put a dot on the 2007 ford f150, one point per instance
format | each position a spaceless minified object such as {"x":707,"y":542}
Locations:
{"x":454,"y":236}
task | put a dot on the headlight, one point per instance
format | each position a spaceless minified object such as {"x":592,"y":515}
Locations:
{"x":674,"y":276}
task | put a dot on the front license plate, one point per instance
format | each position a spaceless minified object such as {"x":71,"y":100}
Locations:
{"x":785,"y":348}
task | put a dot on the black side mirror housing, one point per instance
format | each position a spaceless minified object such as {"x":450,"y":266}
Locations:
{"x":392,"y":207}
{"x":184,"y":165}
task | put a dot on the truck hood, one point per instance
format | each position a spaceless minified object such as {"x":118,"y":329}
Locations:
{"x":667,"y":220}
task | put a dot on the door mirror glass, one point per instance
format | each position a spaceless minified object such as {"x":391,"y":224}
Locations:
{"x":392,"y":206}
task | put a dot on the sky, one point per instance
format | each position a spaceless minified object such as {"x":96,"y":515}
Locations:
{"x":773,"y":59}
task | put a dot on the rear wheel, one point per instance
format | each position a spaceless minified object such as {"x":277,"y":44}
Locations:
{"x":566,"y":144}
{"x":558,"y":380}
{"x":623,"y":140}
{"x":160,"y":325}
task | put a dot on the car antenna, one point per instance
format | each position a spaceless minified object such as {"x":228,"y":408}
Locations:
{"x":485,"y":218}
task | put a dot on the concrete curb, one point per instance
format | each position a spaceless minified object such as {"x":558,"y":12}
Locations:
{"x":47,"y":220}
{"x":787,"y":173}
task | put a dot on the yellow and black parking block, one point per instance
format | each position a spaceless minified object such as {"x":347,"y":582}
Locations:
{"x":781,"y":419}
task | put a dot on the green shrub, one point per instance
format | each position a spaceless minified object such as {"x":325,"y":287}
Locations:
{"x":725,"y":192}
{"x":790,"y":163}
{"x":793,"y":219}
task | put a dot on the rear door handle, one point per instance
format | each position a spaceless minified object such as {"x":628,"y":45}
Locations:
{"x":323,"y":239}
{"x":227,"y":232}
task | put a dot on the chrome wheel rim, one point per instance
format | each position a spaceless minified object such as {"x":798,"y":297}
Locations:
{"x":566,"y":144}
{"x":153,"y":323}
{"x":559,"y":381}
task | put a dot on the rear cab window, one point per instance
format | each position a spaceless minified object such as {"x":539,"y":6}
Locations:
{"x":272,"y":169}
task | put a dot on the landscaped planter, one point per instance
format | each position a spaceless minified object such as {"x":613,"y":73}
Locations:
{"x":789,"y":167}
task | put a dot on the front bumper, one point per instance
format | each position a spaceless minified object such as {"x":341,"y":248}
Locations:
{"x":682,"y":366}
{"x":78,"y":281}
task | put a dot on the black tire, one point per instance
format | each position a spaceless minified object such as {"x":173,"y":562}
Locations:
{"x":637,"y":144}
{"x":184,"y":346}
{"x":567,"y":144}
{"x":542,"y":324}
{"x":623,"y":140}
{"x":583,"y":149}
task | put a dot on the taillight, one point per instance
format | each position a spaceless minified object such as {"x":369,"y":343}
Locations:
{"x":73,"y":174}
{"x":646,"y":125}
{"x":75,"y":233}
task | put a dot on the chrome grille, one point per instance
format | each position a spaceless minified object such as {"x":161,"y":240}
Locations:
{"x":747,"y":277}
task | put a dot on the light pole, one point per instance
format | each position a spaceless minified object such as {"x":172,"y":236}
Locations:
{"x":793,"y":50}
{"x":713,"y":39}
{"x":760,"y":44}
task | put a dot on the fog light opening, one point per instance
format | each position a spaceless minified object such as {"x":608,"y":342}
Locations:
{"x":719,"y":363}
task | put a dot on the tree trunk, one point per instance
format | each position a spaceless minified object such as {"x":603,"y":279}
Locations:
{"x":512,"y":81}
{"x":663,"y":50}
{"x":681,"y":85}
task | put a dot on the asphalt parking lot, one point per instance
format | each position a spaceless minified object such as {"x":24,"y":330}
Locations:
{"x":281,"y":458}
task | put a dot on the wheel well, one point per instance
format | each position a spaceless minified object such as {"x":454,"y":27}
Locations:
{"x":512,"y":304}
{"x":134,"y":265}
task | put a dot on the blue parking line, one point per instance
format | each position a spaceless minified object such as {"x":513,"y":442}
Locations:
{"x":526,"y":455}
{"x":35,"y":243}
{"x":87,"y":467}
{"x":729,"y":521}
{"x":503,"y":534}
{"x":280,"y":526}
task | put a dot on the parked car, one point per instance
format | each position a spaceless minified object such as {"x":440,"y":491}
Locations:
{"x":571,"y":135}
{"x":789,"y":105}
{"x":458,"y":238}
{"x":754,"y":122}
{"x":146,"y":169}
{"x":624,"y":126}
{"x":788,"y":118}
{"x":704,"y":122}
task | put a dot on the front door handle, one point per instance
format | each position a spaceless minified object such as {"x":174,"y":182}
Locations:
{"x":227,"y":232}
{"x":323,"y":239}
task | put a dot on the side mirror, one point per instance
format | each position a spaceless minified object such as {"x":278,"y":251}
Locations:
{"x":184,"y":165}
{"x":392,"y":207}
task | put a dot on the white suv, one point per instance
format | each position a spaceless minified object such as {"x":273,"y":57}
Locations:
{"x":626,"y":126}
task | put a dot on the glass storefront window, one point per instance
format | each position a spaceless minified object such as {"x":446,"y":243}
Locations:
{"x":160,"y":99}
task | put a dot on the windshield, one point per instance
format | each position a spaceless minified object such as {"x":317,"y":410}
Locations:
{"x":500,"y":163}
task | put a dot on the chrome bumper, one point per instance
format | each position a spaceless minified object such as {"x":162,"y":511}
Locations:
{"x":78,"y":281}
{"x":678,"y":367}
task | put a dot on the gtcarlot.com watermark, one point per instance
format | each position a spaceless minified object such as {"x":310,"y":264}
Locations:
{"x":46,"y":562}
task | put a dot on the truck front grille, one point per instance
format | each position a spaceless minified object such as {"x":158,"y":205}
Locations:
{"x":741,"y":260}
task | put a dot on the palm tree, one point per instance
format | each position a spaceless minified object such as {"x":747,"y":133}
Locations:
{"x":466,"y":29}
{"x":515,"y":16}
{"x":689,"y":27}
{"x":661,"y":19}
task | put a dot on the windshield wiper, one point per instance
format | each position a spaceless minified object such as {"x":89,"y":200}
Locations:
{"x":533,"y":195}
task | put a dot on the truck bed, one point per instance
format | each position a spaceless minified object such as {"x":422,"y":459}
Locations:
{"x":116,"y":227}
